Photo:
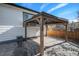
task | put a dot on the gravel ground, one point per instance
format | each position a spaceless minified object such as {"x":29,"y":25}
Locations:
{"x":54,"y":48}
{"x":7,"y":49}
{"x":31,"y":47}
{"x":10,"y":49}
{"x":64,"y":49}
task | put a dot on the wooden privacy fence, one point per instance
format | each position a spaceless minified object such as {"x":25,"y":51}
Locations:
{"x":56,"y":33}
{"x":72,"y":36}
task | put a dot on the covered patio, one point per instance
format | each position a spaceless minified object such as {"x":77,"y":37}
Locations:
{"x":44,"y":19}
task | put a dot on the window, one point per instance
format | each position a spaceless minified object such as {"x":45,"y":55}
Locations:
{"x":26,"y":16}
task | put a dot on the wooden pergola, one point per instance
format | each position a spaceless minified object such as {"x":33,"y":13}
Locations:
{"x":44,"y":18}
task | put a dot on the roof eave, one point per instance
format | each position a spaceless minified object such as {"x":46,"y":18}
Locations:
{"x":12,"y":4}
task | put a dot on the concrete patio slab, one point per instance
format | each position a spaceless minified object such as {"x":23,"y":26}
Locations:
{"x":49,"y":41}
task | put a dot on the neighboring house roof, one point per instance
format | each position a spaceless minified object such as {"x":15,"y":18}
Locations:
{"x":12,"y":4}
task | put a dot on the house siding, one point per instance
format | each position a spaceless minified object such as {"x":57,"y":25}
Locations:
{"x":11,"y":23}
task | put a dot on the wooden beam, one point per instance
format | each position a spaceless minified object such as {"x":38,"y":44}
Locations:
{"x":66,"y":34}
{"x":41,"y":37}
{"x":46,"y":29}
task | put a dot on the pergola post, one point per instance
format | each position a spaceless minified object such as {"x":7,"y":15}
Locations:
{"x":66,"y":35}
{"x":46,"y":29}
{"x":41,"y":37}
{"x":25,"y":30}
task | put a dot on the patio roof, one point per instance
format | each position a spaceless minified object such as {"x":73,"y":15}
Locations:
{"x":46,"y":18}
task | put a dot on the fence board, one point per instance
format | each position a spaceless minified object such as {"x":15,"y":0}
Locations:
{"x":72,"y":36}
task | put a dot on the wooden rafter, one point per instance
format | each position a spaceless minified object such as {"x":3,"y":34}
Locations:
{"x":49,"y":19}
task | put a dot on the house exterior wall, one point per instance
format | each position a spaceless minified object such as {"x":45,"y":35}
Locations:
{"x":11,"y":23}
{"x":73,"y":26}
{"x":77,"y":24}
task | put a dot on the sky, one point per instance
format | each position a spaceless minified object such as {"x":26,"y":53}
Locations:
{"x":64,"y":10}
